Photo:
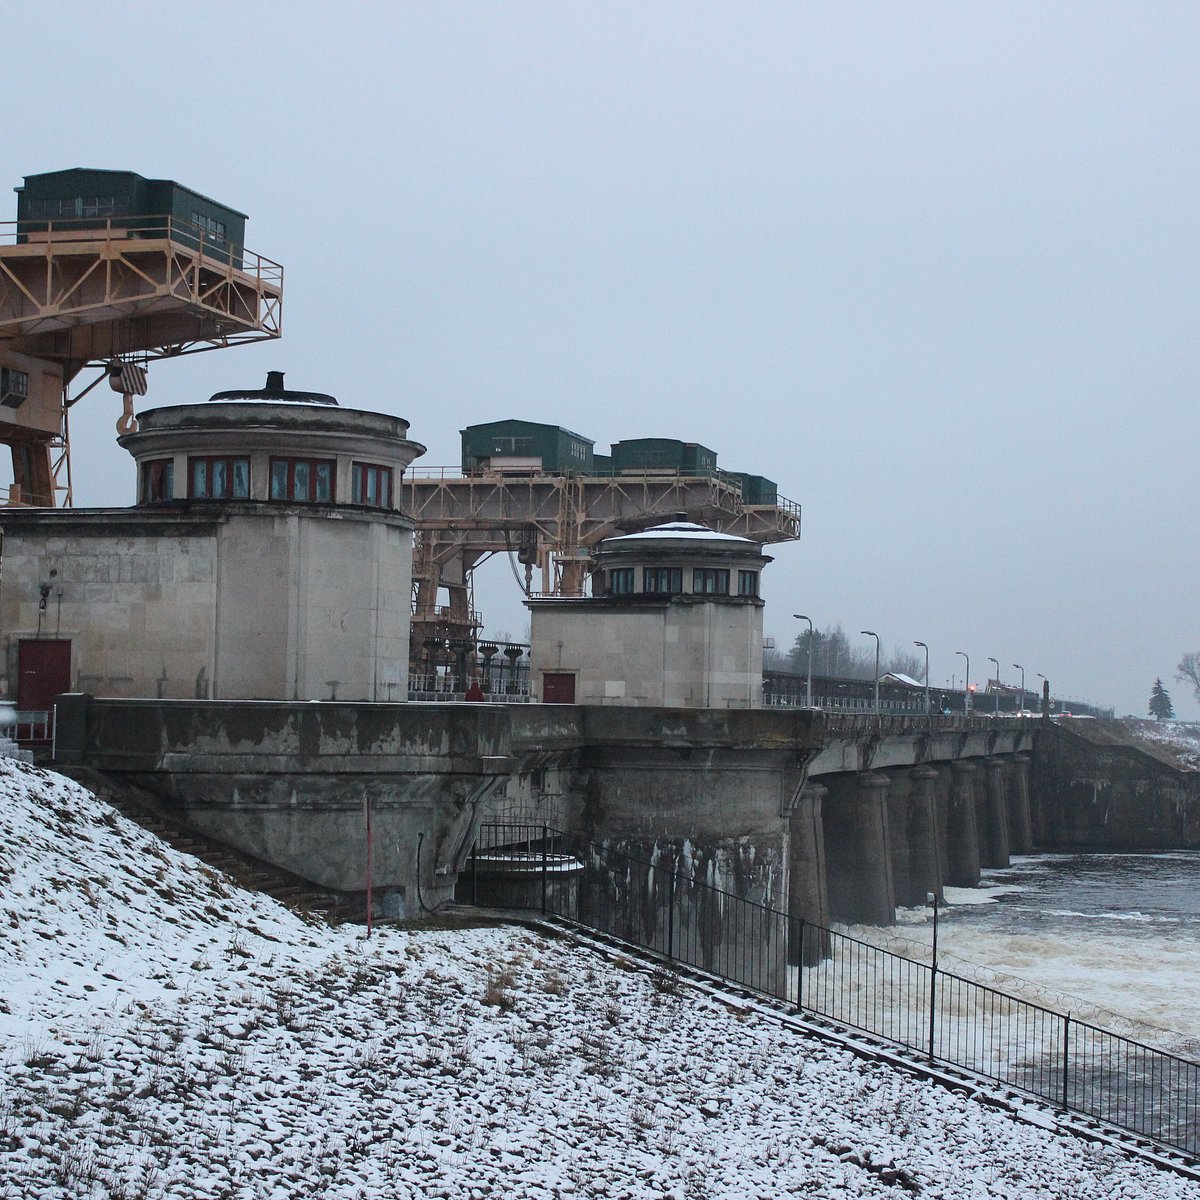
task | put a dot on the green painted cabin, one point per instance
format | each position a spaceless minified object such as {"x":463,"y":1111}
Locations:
{"x":525,"y":447}
{"x":756,"y":489}
{"x":86,"y":198}
{"x":663,"y":454}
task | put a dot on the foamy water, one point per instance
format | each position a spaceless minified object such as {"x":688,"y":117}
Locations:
{"x":1117,"y":931}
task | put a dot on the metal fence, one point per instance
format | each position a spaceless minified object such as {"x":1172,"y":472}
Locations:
{"x":946,"y":1018}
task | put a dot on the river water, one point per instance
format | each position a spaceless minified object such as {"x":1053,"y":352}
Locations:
{"x":1094,"y":934}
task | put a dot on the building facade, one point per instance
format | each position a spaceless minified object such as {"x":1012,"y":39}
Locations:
{"x":264,"y":559}
{"x":675,"y":620}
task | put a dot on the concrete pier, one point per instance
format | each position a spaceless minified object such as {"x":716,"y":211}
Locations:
{"x":924,"y":842}
{"x":996,"y":808}
{"x":808,"y":892}
{"x":899,"y":801}
{"x":861,"y":886}
{"x":1020,"y":820}
{"x":805,"y":816}
{"x":962,"y":834}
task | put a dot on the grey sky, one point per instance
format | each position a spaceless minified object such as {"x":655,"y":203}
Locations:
{"x":932,"y":267}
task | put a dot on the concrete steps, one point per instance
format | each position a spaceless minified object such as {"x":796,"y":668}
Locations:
{"x":246,"y":871}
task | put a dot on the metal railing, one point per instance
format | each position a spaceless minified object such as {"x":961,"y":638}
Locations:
{"x":944,"y":1017}
{"x":65,"y":235}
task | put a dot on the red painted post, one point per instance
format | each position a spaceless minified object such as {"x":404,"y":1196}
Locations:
{"x":367,"y":816}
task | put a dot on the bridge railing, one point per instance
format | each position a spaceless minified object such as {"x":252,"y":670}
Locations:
{"x":666,"y":906}
{"x":901,"y":723}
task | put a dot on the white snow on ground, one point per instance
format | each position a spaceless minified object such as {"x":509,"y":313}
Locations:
{"x":1180,"y":738}
{"x":167,"y":1035}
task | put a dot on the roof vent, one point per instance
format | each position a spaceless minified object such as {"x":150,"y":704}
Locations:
{"x":276,"y":393}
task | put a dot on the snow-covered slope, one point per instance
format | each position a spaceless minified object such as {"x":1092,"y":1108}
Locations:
{"x":1180,"y":739}
{"x":166,"y":1035}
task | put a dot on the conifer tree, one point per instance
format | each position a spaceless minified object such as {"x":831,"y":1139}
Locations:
{"x":1161,"y":708}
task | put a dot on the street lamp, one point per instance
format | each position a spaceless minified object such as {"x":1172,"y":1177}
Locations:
{"x":1045,"y":693}
{"x":808,"y":687}
{"x":966,"y":684}
{"x":928,"y":710}
{"x":871,"y":633}
{"x":1022,"y":670}
{"x":992,"y":660}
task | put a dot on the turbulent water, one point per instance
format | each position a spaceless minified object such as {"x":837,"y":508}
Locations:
{"x":1120,"y":932}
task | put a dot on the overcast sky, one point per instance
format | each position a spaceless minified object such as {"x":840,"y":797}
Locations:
{"x":932,"y":267}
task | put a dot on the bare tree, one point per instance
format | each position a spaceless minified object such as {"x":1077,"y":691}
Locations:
{"x":1188,"y":671}
{"x":902,"y":662}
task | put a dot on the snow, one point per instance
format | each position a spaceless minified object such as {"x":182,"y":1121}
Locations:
{"x":680,"y":530}
{"x":165,"y":1034}
{"x":1180,"y":739}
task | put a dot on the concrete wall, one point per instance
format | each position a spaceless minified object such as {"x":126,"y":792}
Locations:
{"x":291,"y":783}
{"x":718,"y":801}
{"x":684,"y":653}
{"x":705,"y":796}
{"x":246,"y":602}
{"x":1093,"y":796}
{"x":138,"y":599}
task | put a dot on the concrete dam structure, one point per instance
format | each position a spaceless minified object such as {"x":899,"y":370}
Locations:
{"x":824,"y":817}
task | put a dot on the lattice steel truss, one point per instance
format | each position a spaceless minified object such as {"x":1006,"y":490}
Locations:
{"x":549,"y":523}
{"x":77,"y":294}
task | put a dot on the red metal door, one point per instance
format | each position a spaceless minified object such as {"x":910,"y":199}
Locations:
{"x":558,"y":687}
{"x":43,"y":672}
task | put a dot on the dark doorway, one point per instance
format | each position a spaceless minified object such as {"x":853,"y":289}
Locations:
{"x":43,"y":672}
{"x":558,"y":687}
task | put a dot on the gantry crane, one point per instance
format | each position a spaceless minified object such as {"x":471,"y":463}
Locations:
{"x":548,"y":523}
{"x":109,"y":270}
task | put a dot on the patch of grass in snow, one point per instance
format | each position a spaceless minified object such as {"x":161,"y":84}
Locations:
{"x":497,"y":991}
{"x":666,"y":981}
{"x":553,"y":984}
{"x":448,"y":922}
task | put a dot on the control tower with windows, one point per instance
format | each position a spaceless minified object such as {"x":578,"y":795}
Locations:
{"x":266,"y":559}
{"x":109,"y":270}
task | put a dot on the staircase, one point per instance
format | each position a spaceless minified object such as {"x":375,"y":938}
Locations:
{"x":246,"y":871}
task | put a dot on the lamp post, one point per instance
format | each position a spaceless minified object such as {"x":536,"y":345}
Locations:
{"x":871,"y":633}
{"x":966,"y":684}
{"x":808,"y":686}
{"x":1045,"y":694}
{"x":992,"y":660}
{"x":928,"y":710}
{"x":1022,"y":670}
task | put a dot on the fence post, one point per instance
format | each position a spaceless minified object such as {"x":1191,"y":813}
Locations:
{"x":475,"y":869}
{"x":932,"y":1006}
{"x":671,"y":917}
{"x":933,"y":975}
{"x":545,"y":867}
{"x":800,"y":971}
{"x":1066,"y":1057}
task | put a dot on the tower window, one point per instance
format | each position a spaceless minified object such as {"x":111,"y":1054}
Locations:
{"x":620,"y":582}
{"x":219,"y":478}
{"x":309,"y":480}
{"x":371,"y":485}
{"x":158,"y":481}
{"x":664,"y":580}
{"x":710,"y":581}
{"x":210,"y":225}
